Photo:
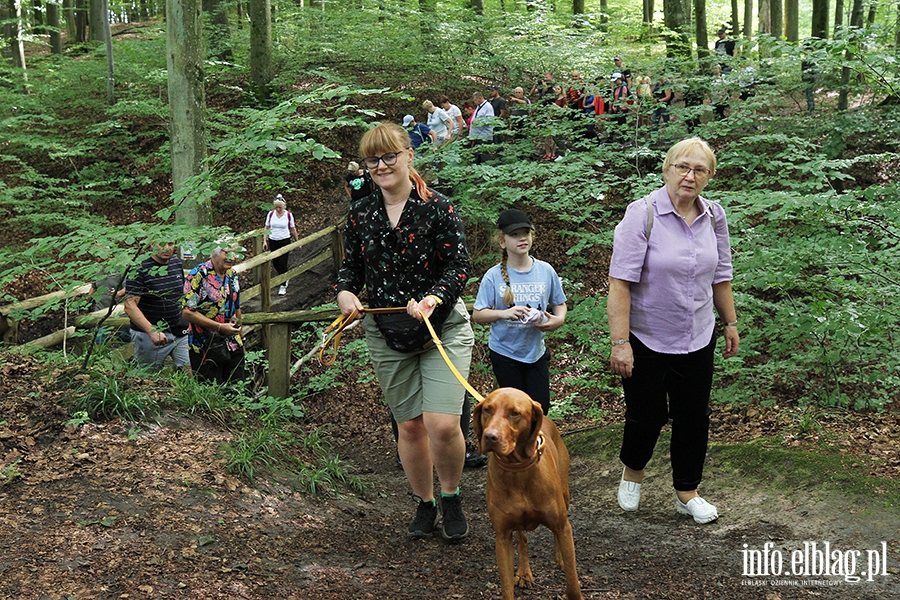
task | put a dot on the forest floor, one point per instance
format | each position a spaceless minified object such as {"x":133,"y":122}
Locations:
{"x":119,"y":510}
{"x":115,"y":510}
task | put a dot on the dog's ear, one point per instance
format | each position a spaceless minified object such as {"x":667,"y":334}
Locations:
{"x":537,"y":419}
{"x":476,"y":423}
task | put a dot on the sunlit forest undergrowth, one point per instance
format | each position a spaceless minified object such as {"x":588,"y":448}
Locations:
{"x":811,"y":196}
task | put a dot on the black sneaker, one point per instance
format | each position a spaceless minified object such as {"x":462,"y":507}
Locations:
{"x":454,"y":526}
{"x":425,"y":521}
{"x":474,"y":460}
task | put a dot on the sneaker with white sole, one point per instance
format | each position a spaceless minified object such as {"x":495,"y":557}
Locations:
{"x":700,"y":509}
{"x":629,"y":494}
{"x":282,"y":290}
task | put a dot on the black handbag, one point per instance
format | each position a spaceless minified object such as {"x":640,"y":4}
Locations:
{"x":217,"y":350}
{"x":404,"y":333}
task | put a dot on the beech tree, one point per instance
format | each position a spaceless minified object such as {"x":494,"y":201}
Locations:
{"x":819,"y":25}
{"x":792,"y":20}
{"x":260,"y":13}
{"x":748,"y":19}
{"x":12,"y":31}
{"x":187,"y":102}
{"x":702,"y":37}
{"x":678,"y":21}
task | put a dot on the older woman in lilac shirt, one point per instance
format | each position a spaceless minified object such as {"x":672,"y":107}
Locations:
{"x":670,"y":270}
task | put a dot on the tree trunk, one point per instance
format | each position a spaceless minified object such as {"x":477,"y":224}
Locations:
{"x":748,"y":19}
{"x":38,"y":16}
{"x":13,"y":33}
{"x":897,"y":31}
{"x":855,"y":21}
{"x":678,"y":19}
{"x":838,"y":14}
{"x":477,"y":6}
{"x":216,"y":31}
{"x":873,"y":9}
{"x":187,"y":101}
{"x":735,"y":18}
{"x":777,"y":11}
{"x":260,"y":45}
{"x":648,"y":13}
{"x":819,"y":28}
{"x":792,"y":20}
{"x":56,"y":46}
{"x":765,"y":17}
{"x":702,"y":37}
{"x":107,"y":37}
{"x":95,"y":18}
{"x":604,"y":14}
{"x":81,"y":20}
{"x":577,"y":9}
{"x":69,"y":16}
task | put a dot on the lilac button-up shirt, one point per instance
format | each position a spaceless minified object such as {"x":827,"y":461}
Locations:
{"x":672,"y":273}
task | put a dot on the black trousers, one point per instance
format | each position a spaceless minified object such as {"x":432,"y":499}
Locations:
{"x":280,"y":263}
{"x":218,"y":369}
{"x":533,"y":379}
{"x":663,"y":387}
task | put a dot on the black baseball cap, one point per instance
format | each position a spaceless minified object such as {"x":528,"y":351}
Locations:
{"x":513,"y":219}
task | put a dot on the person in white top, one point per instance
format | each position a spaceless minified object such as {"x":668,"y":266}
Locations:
{"x":452,"y":110}
{"x":281,"y":231}
{"x":439,"y":121}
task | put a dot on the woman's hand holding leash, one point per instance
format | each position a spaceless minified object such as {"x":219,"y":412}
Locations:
{"x":425,"y":306}
{"x":348,"y":302}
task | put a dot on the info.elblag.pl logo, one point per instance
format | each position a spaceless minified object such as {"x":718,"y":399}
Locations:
{"x":813,"y":559}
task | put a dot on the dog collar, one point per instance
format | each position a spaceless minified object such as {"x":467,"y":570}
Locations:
{"x":507,"y":465}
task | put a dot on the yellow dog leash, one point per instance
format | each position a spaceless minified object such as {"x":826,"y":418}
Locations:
{"x":333,"y":333}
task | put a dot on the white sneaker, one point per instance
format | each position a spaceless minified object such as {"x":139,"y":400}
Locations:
{"x":700,"y":509}
{"x":629,"y":494}
{"x":282,"y":290}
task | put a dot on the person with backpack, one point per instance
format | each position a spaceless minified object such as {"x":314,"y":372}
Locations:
{"x":281,"y":231}
{"x":670,"y":272}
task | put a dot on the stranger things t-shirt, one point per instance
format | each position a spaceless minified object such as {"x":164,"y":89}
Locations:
{"x":538,"y":288}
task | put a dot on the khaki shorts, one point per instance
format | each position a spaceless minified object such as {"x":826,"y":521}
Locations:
{"x":417,"y":382}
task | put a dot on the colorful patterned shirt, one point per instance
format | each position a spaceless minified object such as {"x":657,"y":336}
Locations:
{"x":425,"y":254}
{"x":214,"y":298}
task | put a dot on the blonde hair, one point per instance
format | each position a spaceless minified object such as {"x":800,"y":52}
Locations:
{"x":390,"y":137}
{"x":508,"y":296}
{"x":427,"y":105}
{"x":686,"y":147}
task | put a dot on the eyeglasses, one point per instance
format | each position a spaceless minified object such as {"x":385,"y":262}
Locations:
{"x":388,"y":158}
{"x":683,"y":170}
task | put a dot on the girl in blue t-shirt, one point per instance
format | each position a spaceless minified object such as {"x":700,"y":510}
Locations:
{"x":521,"y":298}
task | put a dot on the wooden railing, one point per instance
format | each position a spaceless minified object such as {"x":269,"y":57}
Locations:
{"x":275,"y":326}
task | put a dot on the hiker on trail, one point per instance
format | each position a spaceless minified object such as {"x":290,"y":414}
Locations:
{"x":212,"y":305}
{"x":153,"y":305}
{"x":405,"y":245}
{"x":670,"y":272}
{"x":282,"y":231}
{"x":521,"y":299}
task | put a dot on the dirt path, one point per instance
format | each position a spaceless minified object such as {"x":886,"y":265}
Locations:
{"x":104,"y":512}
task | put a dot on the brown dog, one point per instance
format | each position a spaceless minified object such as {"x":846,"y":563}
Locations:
{"x":527,"y":484}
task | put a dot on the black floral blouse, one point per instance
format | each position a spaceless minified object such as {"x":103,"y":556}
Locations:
{"x":425,"y":254}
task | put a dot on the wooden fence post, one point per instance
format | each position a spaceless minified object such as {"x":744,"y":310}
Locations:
{"x":257,"y":250}
{"x":337,"y":248}
{"x":279,"y":355}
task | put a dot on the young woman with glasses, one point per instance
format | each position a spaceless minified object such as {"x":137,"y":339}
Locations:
{"x":669,"y":272}
{"x":406,"y":246}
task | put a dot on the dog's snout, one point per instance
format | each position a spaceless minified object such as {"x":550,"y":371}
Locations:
{"x":491,"y":436}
